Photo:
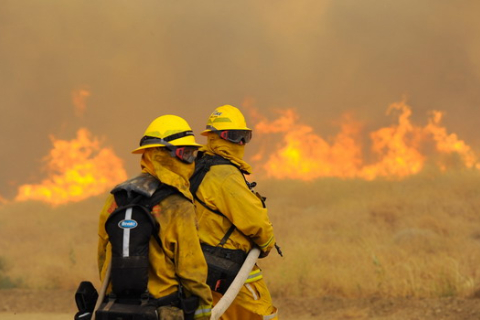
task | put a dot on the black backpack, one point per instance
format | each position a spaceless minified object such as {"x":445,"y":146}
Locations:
{"x":130,"y":228}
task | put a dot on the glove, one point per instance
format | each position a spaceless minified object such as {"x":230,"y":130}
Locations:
{"x":203,"y":318}
{"x":264,"y":254}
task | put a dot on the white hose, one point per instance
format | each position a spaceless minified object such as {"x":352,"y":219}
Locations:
{"x":101,"y":295}
{"x":236,"y":285}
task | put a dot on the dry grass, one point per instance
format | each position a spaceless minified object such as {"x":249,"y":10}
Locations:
{"x":419,"y":237}
{"x":50,"y":248}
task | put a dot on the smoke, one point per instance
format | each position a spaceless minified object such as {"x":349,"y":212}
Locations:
{"x":113,"y":66}
{"x":139,"y":60}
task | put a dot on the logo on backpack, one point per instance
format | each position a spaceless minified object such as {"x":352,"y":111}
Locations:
{"x":127,"y":224}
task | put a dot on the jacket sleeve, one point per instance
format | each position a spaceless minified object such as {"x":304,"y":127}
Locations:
{"x":245,"y":210}
{"x":183,"y":245}
{"x":108,"y":208}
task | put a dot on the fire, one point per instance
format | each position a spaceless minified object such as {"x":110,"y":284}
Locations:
{"x":77,"y":169}
{"x":396,"y":150}
{"x":449,"y":143}
{"x":307,"y":156}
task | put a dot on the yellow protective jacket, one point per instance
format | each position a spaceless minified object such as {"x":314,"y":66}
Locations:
{"x":224,"y":189}
{"x":180,"y":259}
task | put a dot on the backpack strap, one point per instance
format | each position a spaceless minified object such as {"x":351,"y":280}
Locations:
{"x":202,"y":166}
{"x":144,"y":191}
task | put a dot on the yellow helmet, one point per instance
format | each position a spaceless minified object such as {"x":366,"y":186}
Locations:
{"x":167,"y":130}
{"x":226,"y":118}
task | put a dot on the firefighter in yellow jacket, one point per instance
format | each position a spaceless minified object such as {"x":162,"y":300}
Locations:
{"x":232,"y":218}
{"x":168,"y":151}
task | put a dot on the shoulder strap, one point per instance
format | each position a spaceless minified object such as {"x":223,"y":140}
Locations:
{"x":202,"y":166}
{"x":162,"y":192}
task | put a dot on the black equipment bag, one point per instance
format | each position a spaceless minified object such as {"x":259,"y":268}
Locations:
{"x":145,"y":308}
{"x":85,"y":297}
{"x":126,"y":311}
{"x":130,"y":228}
{"x":223,"y":266}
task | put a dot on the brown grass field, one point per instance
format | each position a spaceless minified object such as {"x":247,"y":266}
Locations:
{"x":353,"y":249}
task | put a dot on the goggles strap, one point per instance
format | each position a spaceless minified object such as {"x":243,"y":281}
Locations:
{"x":178,"y":135}
{"x":153,"y":140}
{"x":146,"y":140}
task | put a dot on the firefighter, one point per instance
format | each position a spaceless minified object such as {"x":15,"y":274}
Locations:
{"x":168,"y":150}
{"x":232,"y":217}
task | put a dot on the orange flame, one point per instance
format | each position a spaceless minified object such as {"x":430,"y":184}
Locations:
{"x":449,"y":143}
{"x":307,"y":156}
{"x":397,"y":149}
{"x":77,"y":169}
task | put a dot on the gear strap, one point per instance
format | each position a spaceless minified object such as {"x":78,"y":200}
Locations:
{"x":202,"y":166}
{"x":142,"y":197}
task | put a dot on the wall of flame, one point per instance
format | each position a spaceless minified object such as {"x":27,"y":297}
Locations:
{"x":81,"y":168}
{"x":399,"y":150}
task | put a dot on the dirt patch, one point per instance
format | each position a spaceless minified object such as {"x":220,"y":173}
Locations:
{"x":42,"y":304}
{"x":379,"y":309}
{"x":37,"y":301}
{"x":35,"y":316}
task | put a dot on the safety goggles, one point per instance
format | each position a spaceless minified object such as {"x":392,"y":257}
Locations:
{"x":187,"y":154}
{"x":236,"y":136}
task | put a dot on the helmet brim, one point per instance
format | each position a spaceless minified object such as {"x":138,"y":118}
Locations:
{"x":188,"y":141}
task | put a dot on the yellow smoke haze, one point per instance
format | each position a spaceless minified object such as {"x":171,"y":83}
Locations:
{"x":365,"y":142}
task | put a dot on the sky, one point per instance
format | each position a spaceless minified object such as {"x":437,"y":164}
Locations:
{"x":131,"y":61}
